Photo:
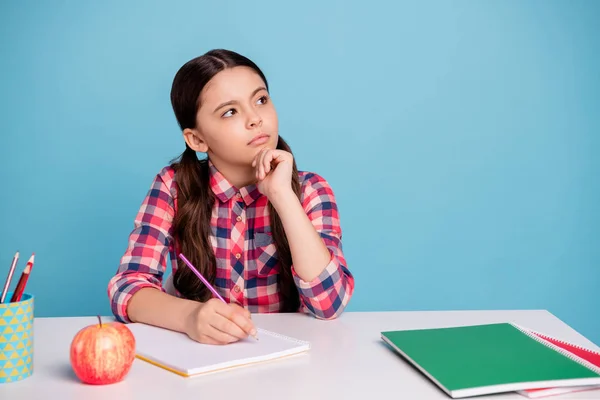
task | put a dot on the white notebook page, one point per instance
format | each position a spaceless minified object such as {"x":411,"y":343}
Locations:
{"x":180,"y":354}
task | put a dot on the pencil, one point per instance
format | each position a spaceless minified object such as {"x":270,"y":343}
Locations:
{"x":23,"y":280}
{"x":11,"y":271}
{"x":208,"y":285}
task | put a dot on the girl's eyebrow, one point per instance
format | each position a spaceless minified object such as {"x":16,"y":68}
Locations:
{"x":231,"y":102}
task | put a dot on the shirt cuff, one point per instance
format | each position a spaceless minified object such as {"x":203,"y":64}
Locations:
{"x":325,"y":281}
{"x":123,"y":296}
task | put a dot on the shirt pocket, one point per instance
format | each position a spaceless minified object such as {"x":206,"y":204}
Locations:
{"x":265,"y":252}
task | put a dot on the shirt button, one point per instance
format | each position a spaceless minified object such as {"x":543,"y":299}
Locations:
{"x":236,"y":289}
{"x":238,"y":195}
{"x":238,"y":256}
{"x":239,"y":218}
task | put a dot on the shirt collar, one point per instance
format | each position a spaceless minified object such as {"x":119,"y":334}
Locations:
{"x":225,"y":191}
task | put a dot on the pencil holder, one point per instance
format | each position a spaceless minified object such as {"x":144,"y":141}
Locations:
{"x":16,"y":339}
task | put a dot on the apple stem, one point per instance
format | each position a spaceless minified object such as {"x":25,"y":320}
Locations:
{"x":100,"y":321}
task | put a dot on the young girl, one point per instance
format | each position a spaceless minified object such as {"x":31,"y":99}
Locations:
{"x":266,"y":236}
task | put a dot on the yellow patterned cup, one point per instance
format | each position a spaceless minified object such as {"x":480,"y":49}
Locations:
{"x":16,"y":339}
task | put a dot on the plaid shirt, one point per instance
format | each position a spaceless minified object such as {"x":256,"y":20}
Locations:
{"x":247,"y":266}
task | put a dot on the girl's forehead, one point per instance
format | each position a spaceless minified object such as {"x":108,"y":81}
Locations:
{"x":232,"y":84}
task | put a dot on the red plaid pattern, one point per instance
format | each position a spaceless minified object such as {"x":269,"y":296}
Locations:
{"x":247,"y":265}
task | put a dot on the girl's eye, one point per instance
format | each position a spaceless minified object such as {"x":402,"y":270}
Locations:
{"x":263,"y":100}
{"x":229,"y":113}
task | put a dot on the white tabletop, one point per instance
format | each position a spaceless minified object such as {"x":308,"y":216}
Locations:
{"x":347,"y":360}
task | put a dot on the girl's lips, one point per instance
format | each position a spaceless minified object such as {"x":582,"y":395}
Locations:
{"x":259,"y":139}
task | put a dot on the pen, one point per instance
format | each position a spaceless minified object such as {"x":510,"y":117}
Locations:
{"x":23,"y":280}
{"x":11,"y":271}
{"x":208,"y":285}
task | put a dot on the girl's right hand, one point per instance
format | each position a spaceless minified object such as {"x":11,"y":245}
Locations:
{"x":215,"y":322}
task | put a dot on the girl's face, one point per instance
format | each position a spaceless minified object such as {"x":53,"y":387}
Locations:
{"x":235,"y":120}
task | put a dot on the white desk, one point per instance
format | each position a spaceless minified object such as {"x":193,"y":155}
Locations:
{"x":348,"y":360}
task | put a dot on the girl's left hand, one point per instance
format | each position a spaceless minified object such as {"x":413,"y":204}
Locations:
{"x":273,"y":171}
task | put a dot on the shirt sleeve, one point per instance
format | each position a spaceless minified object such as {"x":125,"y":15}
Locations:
{"x":326,"y":296}
{"x":145,"y":259}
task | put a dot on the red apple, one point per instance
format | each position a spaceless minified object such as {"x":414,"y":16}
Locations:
{"x":102,"y":354}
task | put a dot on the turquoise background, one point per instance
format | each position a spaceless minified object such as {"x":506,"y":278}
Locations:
{"x":460,"y":137}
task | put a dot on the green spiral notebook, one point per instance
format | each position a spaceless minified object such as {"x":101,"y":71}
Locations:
{"x":475,"y":360}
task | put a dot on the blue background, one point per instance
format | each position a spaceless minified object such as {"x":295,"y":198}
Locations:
{"x":460,"y":137}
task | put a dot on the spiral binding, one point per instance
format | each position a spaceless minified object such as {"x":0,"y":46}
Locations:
{"x":567,"y":343}
{"x":280,"y":336}
{"x":564,"y":352}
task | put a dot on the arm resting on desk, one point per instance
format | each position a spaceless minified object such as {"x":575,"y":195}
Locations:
{"x":314,"y":234}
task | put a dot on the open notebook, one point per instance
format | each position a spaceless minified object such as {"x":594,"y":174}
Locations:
{"x":492,"y":358}
{"x":177,"y":353}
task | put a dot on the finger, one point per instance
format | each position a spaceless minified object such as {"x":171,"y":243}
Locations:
{"x":228,"y":310}
{"x":230,"y":327}
{"x":257,"y":163}
{"x":256,"y":160}
{"x":262,"y":173}
{"x":244,"y":321}
{"x":238,"y":316}
{"x":242,"y":310}
{"x":280,"y":156}
{"x":219,"y":336}
{"x":266,"y":162}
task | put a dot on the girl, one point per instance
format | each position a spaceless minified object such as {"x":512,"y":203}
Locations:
{"x":266,"y":236}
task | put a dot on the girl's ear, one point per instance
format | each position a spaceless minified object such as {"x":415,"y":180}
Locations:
{"x":195,"y":140}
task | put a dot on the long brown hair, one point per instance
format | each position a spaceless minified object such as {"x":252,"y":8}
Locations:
{"x":195,"y":199}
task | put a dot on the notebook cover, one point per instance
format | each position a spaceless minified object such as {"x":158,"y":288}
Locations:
{"x":483,"y":359}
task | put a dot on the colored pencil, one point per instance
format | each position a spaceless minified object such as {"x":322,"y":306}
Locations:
{"x":20,"y":289}
{"x":11,"y":271}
